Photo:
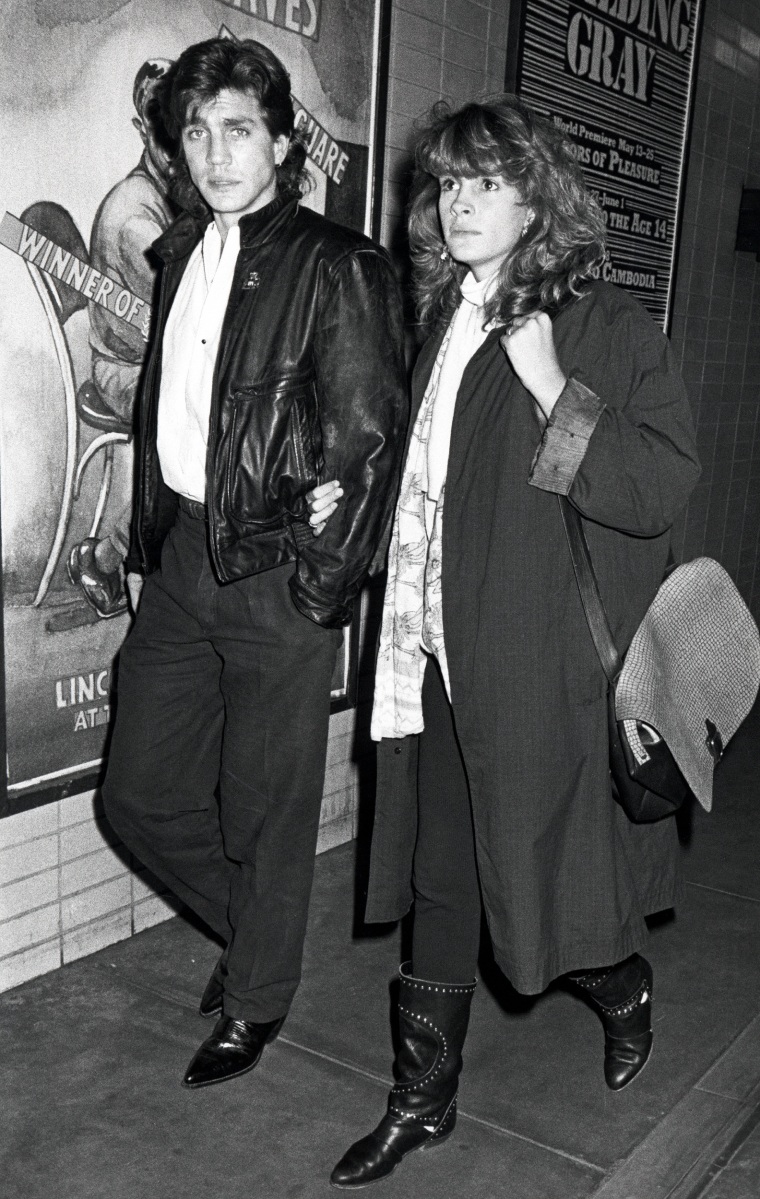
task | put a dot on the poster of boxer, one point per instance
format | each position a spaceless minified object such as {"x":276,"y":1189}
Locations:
{"x":84,"y":194}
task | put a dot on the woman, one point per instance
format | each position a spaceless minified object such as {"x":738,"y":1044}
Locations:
{"x":493,"y":782}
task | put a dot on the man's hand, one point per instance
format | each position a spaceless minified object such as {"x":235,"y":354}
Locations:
{"x":529,"y":346}
{"x":323,"y":501}
{"x":134,"y":590}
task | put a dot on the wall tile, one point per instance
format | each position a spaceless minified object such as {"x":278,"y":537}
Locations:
{"x":115,"y":926}
{"x":78,"y":808}
{"x":338,"y":831}
{"x":86,"y":837}
{"x":20,"y":860}
{"x":467,"y":17}
{"x":145,"y":885}
{"x":410,"y":100}
{"x":93,"y":868}
{"x":465,"y":51}
{"x":95,"y":902}
{"x":338,"y":777}
{"x":23,"y":827}
{"x":416,"y":67}
{"x":403,"y":129}
{"x":431,"y":9}
{"x":715,"y":325}
{"x":30,"y":929}
{"x":25,"y":894}
{"x":418,"y":33}
{"x":340,"y":748}
{"x":29,"y":963}
{"x":154,"y":910}
{"x":499,"y":26}
{"x":459,"y":83}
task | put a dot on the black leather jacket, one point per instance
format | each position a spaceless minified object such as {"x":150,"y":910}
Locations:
{"x":309,"y":385}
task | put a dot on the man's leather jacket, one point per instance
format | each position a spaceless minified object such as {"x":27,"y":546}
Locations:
{"x":309,"y":385}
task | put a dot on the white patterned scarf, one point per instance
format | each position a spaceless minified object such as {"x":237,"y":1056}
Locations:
{"x":412,"y":625}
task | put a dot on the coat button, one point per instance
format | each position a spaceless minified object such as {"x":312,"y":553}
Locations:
{"x":397,"y":750}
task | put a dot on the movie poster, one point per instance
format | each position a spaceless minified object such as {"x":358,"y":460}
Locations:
{"x":616,"y":76}
{"x":83,"y":196}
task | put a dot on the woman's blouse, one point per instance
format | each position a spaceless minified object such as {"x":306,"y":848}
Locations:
{"x":412,"y":613}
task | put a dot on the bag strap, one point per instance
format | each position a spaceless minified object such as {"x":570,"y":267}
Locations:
{"x":589,"y":588}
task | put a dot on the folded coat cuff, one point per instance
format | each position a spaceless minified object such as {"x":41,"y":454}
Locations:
{"x":566,"y":437}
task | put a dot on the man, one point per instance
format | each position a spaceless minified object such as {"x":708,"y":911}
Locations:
{"x":133,"y":214}
{"x":277,"y":364}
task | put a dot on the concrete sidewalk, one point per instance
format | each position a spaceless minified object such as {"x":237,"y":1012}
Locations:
{"x":94,"y":1052}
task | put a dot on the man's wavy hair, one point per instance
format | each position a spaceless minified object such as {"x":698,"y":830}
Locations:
{"x":198,"y":76}
{"x":564,"y":242}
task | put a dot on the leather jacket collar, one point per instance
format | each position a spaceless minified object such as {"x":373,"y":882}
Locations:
{"x":256,"y":228}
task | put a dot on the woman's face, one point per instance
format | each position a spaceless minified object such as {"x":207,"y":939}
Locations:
{"x":482,"y":219}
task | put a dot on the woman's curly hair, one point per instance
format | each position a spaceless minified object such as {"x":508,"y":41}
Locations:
{"x":564,"y":242}
{"x":198,"y":76}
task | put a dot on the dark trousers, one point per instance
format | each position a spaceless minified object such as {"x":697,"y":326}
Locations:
{"x":217,"y":761}
{"x":447,"y":905}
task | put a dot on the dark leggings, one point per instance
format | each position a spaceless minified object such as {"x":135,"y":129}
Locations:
{"x":447,"y":903}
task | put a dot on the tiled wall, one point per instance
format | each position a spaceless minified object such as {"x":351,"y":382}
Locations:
{"x":440,"y":48}
{"x":716,"y":324}
{"x":68,"y":888}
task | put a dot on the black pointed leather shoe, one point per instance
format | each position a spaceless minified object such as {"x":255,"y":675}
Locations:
{"x":211,"y":999}
{"x":234,"y":1048}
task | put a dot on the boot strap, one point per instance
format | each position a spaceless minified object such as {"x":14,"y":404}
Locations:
{"x":591,"y":980}
{"x":419,"y":984}
{"x":436,"y":1118}
{"x":643,"y":995}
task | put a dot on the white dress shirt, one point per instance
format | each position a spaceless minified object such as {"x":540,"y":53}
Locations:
{"x":190,"y":347}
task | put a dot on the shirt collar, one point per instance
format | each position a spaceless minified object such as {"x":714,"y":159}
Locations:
{"x":477,"y":293}
{"x":214,"y":250}
{"x":255,"y":228}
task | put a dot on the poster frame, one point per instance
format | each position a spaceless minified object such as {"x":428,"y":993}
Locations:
{"x":88,"y":776}
{"x":513,"y":75}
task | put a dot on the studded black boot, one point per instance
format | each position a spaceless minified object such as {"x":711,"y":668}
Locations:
{"x":422,"y":1106}
{"x":622,"y":995}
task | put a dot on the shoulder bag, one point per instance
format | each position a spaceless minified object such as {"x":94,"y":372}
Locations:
{"x":690,"y":677}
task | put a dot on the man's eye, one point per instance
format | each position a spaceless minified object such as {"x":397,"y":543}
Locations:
{"x":193,"y":134}
{"x":239,"y":131}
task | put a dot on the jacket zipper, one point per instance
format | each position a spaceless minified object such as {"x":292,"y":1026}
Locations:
{"x":233,"y":308}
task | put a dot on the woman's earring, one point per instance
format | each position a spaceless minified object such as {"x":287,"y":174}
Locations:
{"x":445,"y":253}
{"x":526,"y":224}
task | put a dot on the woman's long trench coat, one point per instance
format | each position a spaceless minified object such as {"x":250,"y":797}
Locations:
{"x":566,"y":878}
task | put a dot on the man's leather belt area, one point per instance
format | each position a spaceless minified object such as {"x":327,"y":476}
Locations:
{"x":193,"y":508}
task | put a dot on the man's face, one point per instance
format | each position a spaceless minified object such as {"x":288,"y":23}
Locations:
{"x":231,"y":156}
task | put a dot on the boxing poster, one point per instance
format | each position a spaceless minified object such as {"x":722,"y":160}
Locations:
{"x":617,"y":77}
{"x":84,"y":193}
